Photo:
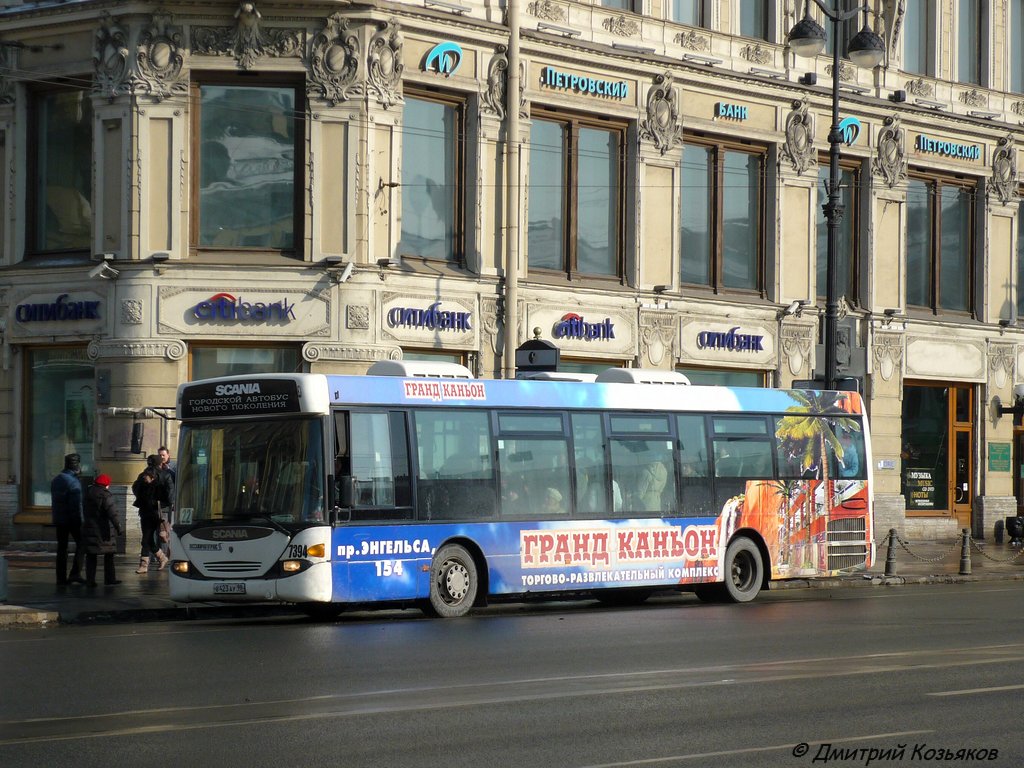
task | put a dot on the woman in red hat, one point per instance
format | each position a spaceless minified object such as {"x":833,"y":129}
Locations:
{"x":100,"y":530}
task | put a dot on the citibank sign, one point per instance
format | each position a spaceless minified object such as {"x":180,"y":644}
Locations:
{"x":227,"y":308}
{"x":59,"y":310}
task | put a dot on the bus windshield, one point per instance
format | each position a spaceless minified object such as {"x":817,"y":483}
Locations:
{"x":270,"y":469}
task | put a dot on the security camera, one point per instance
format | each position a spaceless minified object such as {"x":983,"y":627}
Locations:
{"x":103,"y":271}
{"x":346,"y":273}
{"x":1018,"y":390}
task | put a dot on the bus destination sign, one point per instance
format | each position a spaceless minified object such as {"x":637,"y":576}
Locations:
{"x":240,"y":398}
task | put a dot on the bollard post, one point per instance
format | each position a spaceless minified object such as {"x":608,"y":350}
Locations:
{"x":965,"y":553}
{"x":890,"y":554}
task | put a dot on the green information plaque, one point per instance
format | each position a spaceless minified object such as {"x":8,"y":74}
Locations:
{"x":998,"y":457}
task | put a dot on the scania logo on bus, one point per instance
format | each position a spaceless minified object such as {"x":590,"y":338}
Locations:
{"x":232,"y":534}
{"x":573,"y":326}
{"x":237,"y":389}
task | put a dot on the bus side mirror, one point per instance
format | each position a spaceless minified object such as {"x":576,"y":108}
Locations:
{"x":346,"y":491}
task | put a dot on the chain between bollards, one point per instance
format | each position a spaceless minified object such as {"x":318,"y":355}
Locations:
{"x":965,"y":552}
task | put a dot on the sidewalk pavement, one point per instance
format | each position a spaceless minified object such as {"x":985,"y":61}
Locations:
{"x":33,"y":599}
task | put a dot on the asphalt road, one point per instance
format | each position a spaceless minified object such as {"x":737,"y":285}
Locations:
{"x":918,"y":673}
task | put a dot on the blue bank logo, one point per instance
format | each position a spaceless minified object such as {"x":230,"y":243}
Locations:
{"x":444,"y":58}
{"x":849,"y":129}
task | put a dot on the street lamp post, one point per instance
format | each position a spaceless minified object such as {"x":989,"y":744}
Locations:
{"x":866,"y":49}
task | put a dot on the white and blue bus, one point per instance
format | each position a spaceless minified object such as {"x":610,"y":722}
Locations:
{"x":418,"y":485}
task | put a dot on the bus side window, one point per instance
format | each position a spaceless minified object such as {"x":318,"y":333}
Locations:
{"x":380,"y":466}
{"x":695,"y":469}
{"x":455,"y":477}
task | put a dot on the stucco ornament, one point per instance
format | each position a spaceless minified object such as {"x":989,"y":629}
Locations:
{"x":110,"y":58}
{"x":248,"y":41}
{"x":621,"y":26}
{"x":1001,"y":359}
{"x":334,"y":63}
{"x":693,"y":41}
{"x":662,"y":124}
{"x":657,"y":337}
{"x":1004,"y":170}
{"x":796,"y":348}
{"x":891,"y":157}
{"x":545,"y":9}
{"x":887,"y":352}
{"x":384,"y":64}
{"x":493,"y":98}
{"x":161,"y":59}
{"x":8,"y":63}
{"x":799,"y":146}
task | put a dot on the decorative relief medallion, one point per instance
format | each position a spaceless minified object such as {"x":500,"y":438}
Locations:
{"x":891,"y":158}
{"x":334,"y":63}
{"x":247,"y":41}
{"x":799,"y":146}
{"x":384,"y":64}
{"x":1001,"y":359}
{"x":131,"y":312}
{"x":796,"y":345}
{"x":756,"y":54}
{"x":110,"y":58}
{"x":161,"y":59}
{"x":974,"y":98}
{"x":657,"y":336}
{"x":545,"y":9}
{"x":621,"y":26}
{"x":357,"y":317}
{"x":920,"y":87}
{"x":847,"y":72}
{"x":662,"y":124}
{"x":1004,"y":170}
{"x":887,"y":352}
{"x":692,"y":41}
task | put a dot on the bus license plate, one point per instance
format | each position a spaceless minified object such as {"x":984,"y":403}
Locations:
{"x":229,"y":589}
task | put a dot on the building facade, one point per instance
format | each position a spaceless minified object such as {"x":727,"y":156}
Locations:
{"x":229,"y":187}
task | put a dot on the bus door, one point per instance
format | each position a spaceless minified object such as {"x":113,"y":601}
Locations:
{"x":371,"y":465}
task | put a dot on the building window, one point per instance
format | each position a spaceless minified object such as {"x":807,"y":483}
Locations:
{"x":725,"y":377}
{"x":60,"y":172}
{"x":753,"y":19}
{"x":847,"y":29}
{"x":60,"y":416}
{"x":249,"y":156}
{"x":687,"y":12}
{"x":1020,"y":260}
{"x":940,"y":244}
{"x":619,"y":5}
{"x":432,"y":140}
{"x":1015,"y":43}
{"x":575,"y":199}
{"x":846,"y":252}
{"x":917,"y":46}
{"x":968,"y":41}
{"x":208,"y":362}
{"x":721,"y":194}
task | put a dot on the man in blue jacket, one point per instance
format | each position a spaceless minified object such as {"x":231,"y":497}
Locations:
{"x":66,"y":505}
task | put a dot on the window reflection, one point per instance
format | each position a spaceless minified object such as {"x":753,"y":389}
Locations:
{"x":595,"y":208}
{"x":739,"y":211}
{"x":430,"y":135}
{"x":247,"y":166}
{"x":63,"y":147}
{"x":696,"y":180}
{"x":547,"y":182}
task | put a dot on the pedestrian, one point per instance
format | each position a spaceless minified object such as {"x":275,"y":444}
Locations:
{"x":100,"y":530}
{"x":66,"y":509}
{"x":150,"y":493}
{"x":169,"y":470}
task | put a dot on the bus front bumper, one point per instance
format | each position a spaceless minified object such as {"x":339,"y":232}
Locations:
{"x":311,"y":586}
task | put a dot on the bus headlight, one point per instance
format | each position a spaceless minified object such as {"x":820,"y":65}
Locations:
{"x":291,"y":566}
{"x":180,"y":566}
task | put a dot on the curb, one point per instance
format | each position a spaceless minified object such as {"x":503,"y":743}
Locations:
{"x":17,"y":616}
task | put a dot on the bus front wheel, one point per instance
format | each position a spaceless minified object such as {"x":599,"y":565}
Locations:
{"x":744,"y":571}
{"x":453,"y":582}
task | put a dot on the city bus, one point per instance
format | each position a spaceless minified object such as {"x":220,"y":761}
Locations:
{"x":417,"y":485}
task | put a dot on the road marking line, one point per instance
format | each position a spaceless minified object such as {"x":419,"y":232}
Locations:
{"x":969,"y":691}
{"x":750,"y":750}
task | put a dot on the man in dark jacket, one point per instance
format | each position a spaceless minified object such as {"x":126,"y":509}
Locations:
{"x":66,"y":506}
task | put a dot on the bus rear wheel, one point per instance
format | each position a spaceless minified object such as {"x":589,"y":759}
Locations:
{"x":453,"y":582}
{"x":744,"y":571}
